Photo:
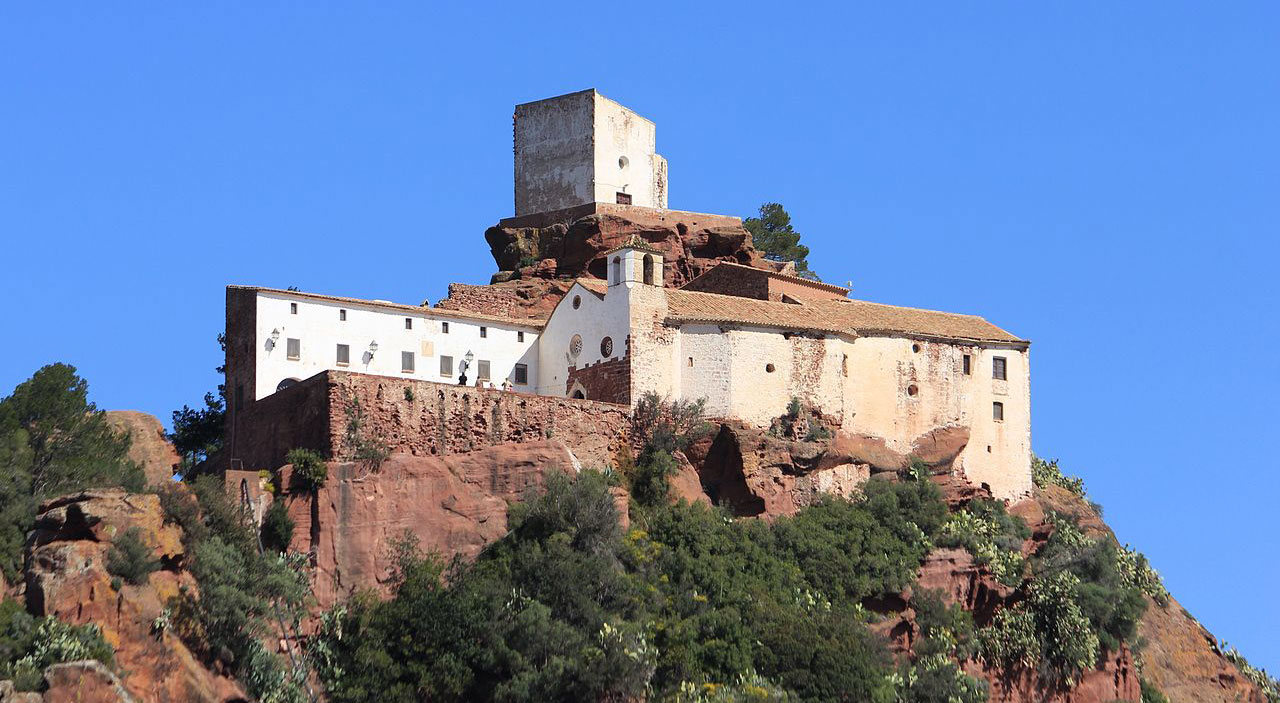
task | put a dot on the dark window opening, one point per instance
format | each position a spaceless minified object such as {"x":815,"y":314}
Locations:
{"x":408,"y":323}
{"x":967,"y":363}
{"x":519,"y":336}
{"x":579,"y":395}
{"x":342,"y":315}
{"x":444,"y":327}
{"x":522,"y":374}
{"x":999,"y":368}
{"x":484,"y":332}
{"x":624,"y":198}
{"x":997,"y":412}
{"x":647,"y":264}
{"x":293,"y":308}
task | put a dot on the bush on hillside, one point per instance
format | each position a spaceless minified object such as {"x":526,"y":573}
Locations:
{"x":309,"y":470}
{"x":29,"y":644}
{"x":130,"y":558}
{"x":277,"y":527}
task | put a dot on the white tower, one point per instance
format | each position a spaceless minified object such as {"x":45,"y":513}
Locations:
{"x":584,"y":148}
{"x":635,"y":263}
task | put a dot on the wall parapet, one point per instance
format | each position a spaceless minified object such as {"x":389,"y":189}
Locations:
{"x":421,"y":418}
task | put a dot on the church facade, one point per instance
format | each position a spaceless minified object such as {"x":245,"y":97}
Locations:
{"x":747,"y":340}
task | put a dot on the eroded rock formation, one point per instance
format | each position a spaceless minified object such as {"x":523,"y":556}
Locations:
{"x":148,"y":447}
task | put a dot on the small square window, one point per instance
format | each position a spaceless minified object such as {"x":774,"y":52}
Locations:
{"x":293,"y":348}
{"x":519,"y":336}
{"x":293,"y":308}
{"x":484,"y":332}
{"x":446,"y":366}
{"x":997,"y":412}
{"x":999,"y":368}
{"x":968,"y":361}
{"x":342,"y":316}
{"x":344,"y":355}
{"x":482,"y":370}
{"x":406,"y":362}
{"x":408,"y":323}
{"x":444,"y":327}
{"x":522,"y":374}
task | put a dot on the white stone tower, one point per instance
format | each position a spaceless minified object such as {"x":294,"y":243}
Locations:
{"x":584,"y":148}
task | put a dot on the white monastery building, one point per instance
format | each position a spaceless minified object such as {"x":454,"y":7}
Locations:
{"x":747,"y":340}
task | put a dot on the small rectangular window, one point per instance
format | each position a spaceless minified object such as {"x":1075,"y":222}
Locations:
{"x":482,"y":370}
{"x":344,"y":355}
{"x":519,"y":336}
{"x":293,"y":308}
{"x":997,"y":412}
{"x":406,"y":361}
{"x":624,"y":198}
{"x":998,"y":368}
{"x":293,"y":348}
{"x":408,"y":323}
{"x":484,"y":332}
{"x":967,"y":368}
{"x":522,"y":374}
{"x":444,"y":327}
{"x":691,"y":362}
{"x":342,"y":316}
{"x":446,"y":366}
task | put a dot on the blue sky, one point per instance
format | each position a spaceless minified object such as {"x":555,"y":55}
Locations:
{"x":1101,"y":178}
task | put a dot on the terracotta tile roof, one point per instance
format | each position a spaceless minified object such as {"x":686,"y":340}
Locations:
{"x":594,"y":285}
{"x":635,"y":242}
{"x":799,"y":280}
{"x":835,"y":316}
{"x":403,"y":307}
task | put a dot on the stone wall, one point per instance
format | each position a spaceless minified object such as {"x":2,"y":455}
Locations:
{"x":490,"y":300}
{"x":421,"y":418}
{"x":608,"y":381}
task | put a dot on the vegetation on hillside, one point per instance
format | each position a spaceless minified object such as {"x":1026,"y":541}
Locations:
{"x":197,"y":432}
{"x":772,"y":233}
{"x":53,"y":441}
{"x":29,"y":644}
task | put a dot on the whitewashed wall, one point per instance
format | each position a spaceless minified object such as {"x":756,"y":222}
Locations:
{"x":319,"y":329}
{"x":594,"y":319}
{"x":621,"y":133}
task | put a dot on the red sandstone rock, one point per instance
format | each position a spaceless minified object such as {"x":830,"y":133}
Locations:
{"x":66,"y":576}
{"x":939,"y":447}
{"x":84,"y":682}
{"x":454,"y":505}
{"x":149,"y":447}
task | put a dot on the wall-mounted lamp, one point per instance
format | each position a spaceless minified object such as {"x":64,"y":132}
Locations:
{"x":469,"y":357}
{"x":275,"y":337}
{"x":373,"y":348}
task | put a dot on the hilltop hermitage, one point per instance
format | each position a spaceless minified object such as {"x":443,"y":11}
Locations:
{"x":746,"y":339}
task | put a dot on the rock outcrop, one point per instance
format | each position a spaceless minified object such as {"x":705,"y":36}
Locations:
{"x":538,"y":258}
{"x":66,"y":576}
{"x":149,"y":447}
{"x":454,"y":505}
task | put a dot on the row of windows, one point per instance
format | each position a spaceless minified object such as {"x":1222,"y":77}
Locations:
{"x":999,"y":367}
{"x":408,"y":361}
{"x":408,"y":323}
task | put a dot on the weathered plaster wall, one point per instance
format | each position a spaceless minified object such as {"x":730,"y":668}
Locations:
{"x":554,"y":155}
{"x":422,"y":418}
{"x":879,"y":400}
{"x":623,"y":134}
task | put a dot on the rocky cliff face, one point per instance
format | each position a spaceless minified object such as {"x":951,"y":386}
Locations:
{"x":148,"y":447}
{"x":537,"y":261}
{"x":66,"y":576}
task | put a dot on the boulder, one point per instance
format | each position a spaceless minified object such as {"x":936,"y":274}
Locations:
{"x":84,"y":682}
{"x":148,"y":447}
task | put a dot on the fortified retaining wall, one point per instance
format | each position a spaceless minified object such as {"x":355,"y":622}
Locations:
{"x":420,"y":418}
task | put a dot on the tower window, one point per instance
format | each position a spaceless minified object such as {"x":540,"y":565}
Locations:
{"x":293,"y":308}
{"x":648,"y":269}
{"x":484,"y":332}
{"x":342,"y":316}
{"x":967,"y":364}
{"x":444,"y":327}
{"x":999,"y":368}
{"x":408,"y":323}
{"x":997,"y":412}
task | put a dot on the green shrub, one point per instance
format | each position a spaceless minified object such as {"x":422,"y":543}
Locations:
{"x":1152,"y":694}
{"x":277,"y":527}
{"x":130,"y":558}
{"x":1048,"y":629}
{"x":1259,"y":677}
{"x":29,"y":644}
{"x":936,"y":678}
{"x":1046,"y":473}
{"x":309,"y":470}
{"x":991,"y":535}
{"x":662,"y":425}
{"x":649,"y":477}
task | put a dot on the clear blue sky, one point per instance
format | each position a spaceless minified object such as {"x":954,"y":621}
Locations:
{"x":1102,"y":178}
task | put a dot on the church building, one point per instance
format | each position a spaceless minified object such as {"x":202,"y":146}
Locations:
{"x":747,"y":340}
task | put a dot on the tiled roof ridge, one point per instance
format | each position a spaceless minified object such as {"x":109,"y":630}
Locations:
{"x":785,"y":276}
